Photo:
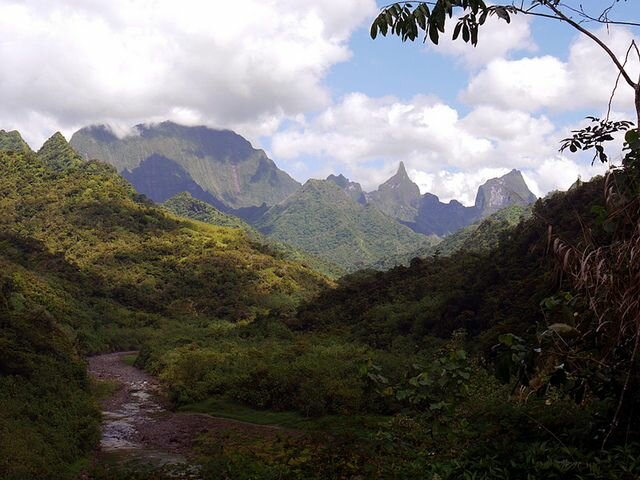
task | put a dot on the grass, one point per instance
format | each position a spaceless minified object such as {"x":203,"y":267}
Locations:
{"x":221,"y":407}
{"x":129,"y":359}
{"x":103,"y":389}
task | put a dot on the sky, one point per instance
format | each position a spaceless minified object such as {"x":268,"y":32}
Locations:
{"x":303,"y":80}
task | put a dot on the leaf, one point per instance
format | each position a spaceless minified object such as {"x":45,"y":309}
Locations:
{"x":506,"y":339}
{"x":433,"y":34}
{"x":374,"y":30}
{"x":456,"y":31}
{"x":564,"y":330}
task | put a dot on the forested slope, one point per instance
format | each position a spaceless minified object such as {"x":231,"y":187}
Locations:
{"x":88,"y":265}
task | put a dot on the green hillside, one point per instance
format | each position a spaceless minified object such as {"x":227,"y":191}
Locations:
{"x":13,"y":142}
{"x":478,"y":363}
{"x":480,"y":237}
{"x":322,"y":219}
{"x":88,"y":265}
{"x":184,"y":205}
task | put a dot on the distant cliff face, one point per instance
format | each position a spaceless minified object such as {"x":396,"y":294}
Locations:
{"x":400,"y":198}
{"x":221,"y":163}
{"x":160,"y":178}
{"x":498,"y":193}
{"x":437,"y":218}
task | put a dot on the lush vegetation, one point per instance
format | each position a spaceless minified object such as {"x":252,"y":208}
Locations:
{"x":323,"y":220}
{"x":184,"y":205}
{"x":473,"y":365}
{"x":88,"y":265}
{"x":480,"y":237}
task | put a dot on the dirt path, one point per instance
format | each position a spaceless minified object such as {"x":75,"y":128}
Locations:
{"x":138,"y":425}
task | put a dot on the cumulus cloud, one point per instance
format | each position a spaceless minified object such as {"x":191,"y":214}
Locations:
{"x":585,"y":80}
{"x":496,"y":39}
{"x":67,"y":63}
{"x":366,"y":137}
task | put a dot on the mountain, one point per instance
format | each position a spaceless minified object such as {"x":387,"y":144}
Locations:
{"x":129,"y":251}
{"x":479,"y":237}
{"x":158,"y":177}
{"x":187,"y":206}
{"x":58,"y":154}
{"x":498,"y":193}
{"x":398,"y":197}
{"x":353,"y":189}
{"x":13,"y":142}
{"x":321,"y":218}
{"x":87,"y":265}
{"x":437,"y":218}
{"x":217,"y":166}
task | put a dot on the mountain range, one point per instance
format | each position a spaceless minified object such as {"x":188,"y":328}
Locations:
{"x":217,"y":166}
{"x":334,"y":219}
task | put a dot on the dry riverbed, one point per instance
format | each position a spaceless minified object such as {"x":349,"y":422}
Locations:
{"x":139,"y":427}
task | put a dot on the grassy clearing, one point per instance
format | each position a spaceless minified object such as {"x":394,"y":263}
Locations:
{"x":103,"y":389}
{"x":129,"y":359}
{"x":337,"y":424}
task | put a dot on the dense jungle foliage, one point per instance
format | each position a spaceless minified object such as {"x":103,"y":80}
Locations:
{"x":474,"y":365}
{"x":184,"y":205}
{"x":88,"y":265}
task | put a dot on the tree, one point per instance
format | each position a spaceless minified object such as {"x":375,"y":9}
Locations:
{"x":604,"y":273}
{"x":409,"y":20}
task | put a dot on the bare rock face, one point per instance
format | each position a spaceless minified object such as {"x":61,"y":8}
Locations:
{"x":498,"y":193}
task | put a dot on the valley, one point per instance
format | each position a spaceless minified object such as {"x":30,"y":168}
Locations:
{"x":319,"y":240}
{"x":390,"y":364}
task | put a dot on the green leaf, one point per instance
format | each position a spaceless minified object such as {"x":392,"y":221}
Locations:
{"x":456,"y":31}
{"x":433,"y":34}
{"x":374,"y":30}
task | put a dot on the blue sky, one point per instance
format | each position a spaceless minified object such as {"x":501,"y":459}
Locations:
{"x":303,"y":80}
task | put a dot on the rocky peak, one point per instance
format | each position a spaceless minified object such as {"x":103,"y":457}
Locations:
{"x":498,"y":193}
{"x":353,"y":189}
{"x":398,"y":196}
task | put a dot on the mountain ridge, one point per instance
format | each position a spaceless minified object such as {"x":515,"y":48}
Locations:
{"x":221,"y":162}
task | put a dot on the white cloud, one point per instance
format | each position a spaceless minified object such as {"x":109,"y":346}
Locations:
{"x":67,"y":63}
{"x":496,"y":39}
{"x":461,"y":186}
{"x":365,"y":137}
{"x":559,"y":173}
{"x":585,"y":80}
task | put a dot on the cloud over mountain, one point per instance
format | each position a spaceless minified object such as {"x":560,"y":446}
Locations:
{"x":66,"y":63}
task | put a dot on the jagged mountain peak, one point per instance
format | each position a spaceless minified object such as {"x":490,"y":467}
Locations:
{"x":339,"y":180}
{"x":353,"y":189}
{"x":398,"y":197}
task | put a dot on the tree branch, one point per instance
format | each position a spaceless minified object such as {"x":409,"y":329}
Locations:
{"x":593,"y":37}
